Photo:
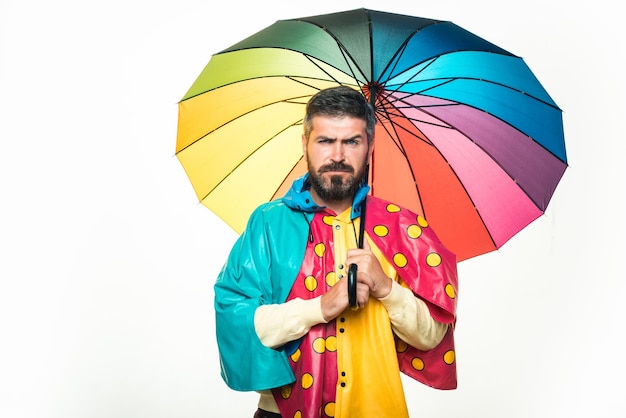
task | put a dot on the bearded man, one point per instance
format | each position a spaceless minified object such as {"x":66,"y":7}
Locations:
{"x":284,"y":325}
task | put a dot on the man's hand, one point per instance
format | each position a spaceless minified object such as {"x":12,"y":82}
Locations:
{"x":335,"y":300}
{"x":370,"y":272}
{"x":371,"y":280}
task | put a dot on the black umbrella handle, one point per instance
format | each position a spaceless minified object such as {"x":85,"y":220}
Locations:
{"x":352,"y":285}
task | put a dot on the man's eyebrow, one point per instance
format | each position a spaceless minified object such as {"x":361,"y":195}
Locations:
{"x":358,"y":136}
{"x":328,"y":138}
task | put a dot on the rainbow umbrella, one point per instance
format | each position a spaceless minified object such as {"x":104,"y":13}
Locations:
{"x":466,"y":136}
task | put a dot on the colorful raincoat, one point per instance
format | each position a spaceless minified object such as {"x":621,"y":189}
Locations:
{"x":268,"y":258}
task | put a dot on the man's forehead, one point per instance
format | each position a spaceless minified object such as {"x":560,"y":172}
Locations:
{"x":344,"y":120}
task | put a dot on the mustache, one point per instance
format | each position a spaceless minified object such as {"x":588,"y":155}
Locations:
{"x":339,"y":166}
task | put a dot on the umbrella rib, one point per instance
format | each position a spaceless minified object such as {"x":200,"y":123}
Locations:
{"x":267,"y":104}
{"x":486,"y":152}
{"x":412,"y":119}
{"x":240,"y":116}
{"x":396,"y":57}
{"x":342,"y":49}
{"x":346,"y":55}
{"x":402,"y":150}
{"x":449,"y":80}
{"x":400,"y":52}
{"x":495,"y":161}
{"x":445,"y":81}
{"x":308,"y":57}
{"x":291,"y":170}
{"x":371,"y":46}
{"x":394,"y":137}
{"x":243,"y":160}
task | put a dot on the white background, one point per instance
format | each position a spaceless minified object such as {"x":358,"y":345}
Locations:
{"x":107,"y":261}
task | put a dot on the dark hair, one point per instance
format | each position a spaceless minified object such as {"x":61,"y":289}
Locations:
{"x":339,"y":101}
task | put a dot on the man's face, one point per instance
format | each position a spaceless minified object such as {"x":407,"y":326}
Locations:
{"x":337,"y":153}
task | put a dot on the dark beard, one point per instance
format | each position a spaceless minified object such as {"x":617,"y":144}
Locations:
{"x":337,"y":189}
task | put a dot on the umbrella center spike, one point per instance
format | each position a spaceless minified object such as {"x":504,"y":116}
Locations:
{"x":372,"y":91}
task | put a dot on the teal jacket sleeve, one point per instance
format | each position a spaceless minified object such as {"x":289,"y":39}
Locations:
{"x":260,"y":270}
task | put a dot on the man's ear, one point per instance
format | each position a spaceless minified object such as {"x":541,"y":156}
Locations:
{"x":304,"y":142}
{"x":370,"y":151}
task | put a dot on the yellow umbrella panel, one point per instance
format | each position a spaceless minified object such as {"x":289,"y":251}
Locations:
{"x":240,"y":138}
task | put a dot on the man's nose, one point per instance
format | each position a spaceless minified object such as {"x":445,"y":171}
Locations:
{"x":338,"y":152}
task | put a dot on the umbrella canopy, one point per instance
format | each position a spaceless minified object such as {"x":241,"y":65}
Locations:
{"x":466,"y":136}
